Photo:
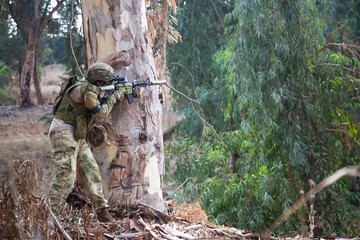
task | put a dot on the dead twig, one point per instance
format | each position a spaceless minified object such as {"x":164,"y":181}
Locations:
{"x":180,"y":185}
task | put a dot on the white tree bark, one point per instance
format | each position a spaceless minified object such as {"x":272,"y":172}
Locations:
{"x":131,"y":157}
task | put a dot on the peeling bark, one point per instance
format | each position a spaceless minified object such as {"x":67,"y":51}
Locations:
{"x":133,"y":166}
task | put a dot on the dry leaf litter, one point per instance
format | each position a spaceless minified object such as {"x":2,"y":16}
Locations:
{"x":25,"y":215}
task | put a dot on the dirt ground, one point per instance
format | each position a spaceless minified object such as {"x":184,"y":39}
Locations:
{"x":23,"y":133}
{"x":23,"y":138}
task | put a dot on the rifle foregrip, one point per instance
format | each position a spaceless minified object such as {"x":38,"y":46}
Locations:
{"x":129,"y":97}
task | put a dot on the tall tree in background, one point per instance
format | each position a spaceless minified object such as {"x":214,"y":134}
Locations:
{"x":131,"y":157}
{"x":31,"y":18}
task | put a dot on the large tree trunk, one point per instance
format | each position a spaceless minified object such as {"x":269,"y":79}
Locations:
{"x":27,"y":72}
{"x":131,"y":157}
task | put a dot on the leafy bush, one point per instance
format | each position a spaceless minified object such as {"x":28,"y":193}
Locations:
{"x":255,"y":196}
{"x":4,"y":75}
{"x":195,"y":162}
{"x":6,"y":98}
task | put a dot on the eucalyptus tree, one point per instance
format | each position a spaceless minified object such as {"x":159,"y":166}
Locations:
{"x":288,"y":94}
{"x":130,"y":150}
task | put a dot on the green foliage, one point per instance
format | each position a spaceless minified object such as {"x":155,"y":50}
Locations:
{"x":256,"y":195}
{"x":11,"y":46}
{"x":4,"y":75}
{"x":53,"y":47}
{"x":194,"y":164}
{"x":6,"y":98}
{"x":343,"y":19}
{"x":191,"y":62}
{"x":287,"y":114}
{"x":57,"y":47}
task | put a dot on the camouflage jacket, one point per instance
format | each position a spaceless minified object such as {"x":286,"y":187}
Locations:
{"x":80,"y":106}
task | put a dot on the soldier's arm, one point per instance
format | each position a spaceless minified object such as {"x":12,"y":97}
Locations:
{"x":91,"y":101}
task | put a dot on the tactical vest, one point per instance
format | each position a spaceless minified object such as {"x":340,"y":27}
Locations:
{"x":74,"y":113}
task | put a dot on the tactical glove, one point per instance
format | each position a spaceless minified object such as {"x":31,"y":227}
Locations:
{"x":119,"y":95}
{"x":136,"y":93}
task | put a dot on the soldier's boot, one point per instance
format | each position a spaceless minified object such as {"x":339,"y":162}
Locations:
{"x":105,"y":216}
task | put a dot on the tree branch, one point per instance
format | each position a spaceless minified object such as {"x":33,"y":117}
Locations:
{"x":44,"y":11}
{"x":18,"y":4}
{"x":344,"y":24}
{"x":23,"y":33}
{"x":47,"y":18}
{"x":346,"y":47}
{"x":71,"y":41}
{"x":343,"y":131}
{"x":332,"y":65}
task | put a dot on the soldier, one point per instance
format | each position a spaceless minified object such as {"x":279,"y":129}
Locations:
{"x":73,"y":117}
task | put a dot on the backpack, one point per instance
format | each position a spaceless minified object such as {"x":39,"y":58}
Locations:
{"x":63,"y":87}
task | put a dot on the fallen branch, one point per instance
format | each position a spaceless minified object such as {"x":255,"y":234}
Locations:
{"x":156,"y":212}
{"x":345,"y":171}
{"x":58,"y":225}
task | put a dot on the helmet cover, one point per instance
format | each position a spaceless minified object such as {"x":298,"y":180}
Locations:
{"x":100,"y":72}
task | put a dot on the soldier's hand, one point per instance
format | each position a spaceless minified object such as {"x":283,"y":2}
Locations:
{"x":119,"y":95}
{"x":136,"y":93}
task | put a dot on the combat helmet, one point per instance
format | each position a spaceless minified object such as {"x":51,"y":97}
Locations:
{"x":100,"y":72}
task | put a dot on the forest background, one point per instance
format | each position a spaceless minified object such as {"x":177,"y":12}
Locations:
{"x":276,"y":110}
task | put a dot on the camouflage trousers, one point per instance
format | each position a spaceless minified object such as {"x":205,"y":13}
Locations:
{"x":74,"y":160}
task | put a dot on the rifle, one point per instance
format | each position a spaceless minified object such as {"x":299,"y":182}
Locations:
{"x":119,"y":83}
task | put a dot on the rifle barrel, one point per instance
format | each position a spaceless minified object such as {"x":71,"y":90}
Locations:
{"x":158,"y":82}
{"x":137,"y":84}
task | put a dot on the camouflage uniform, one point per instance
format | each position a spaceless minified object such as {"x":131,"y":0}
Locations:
{"x":74,"y":116}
